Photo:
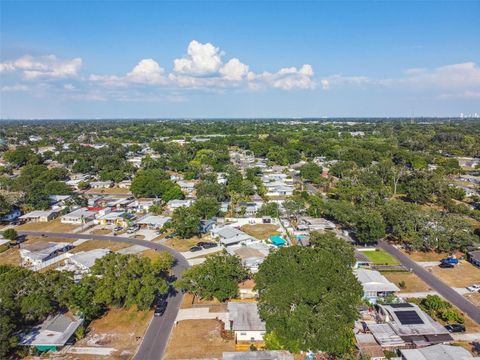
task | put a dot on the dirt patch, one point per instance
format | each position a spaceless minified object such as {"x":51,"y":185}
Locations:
{"x":103,"y":231}
{"x":204,"y":340}
{"x":182,"y":244}
{"x":10,"y":257}
{"x":190,"y":301}
{"x":426,"y":256}
{"x":52,"y":226}
{"x":474,"y":298}
{"x":464,"y":274}
{"x":261,"y":231}
{"x":100,"y":244}
{"x":412,"y":282}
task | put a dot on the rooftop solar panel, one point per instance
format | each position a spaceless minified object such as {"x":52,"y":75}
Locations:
{"x":401,"y":305}
{"x":409,"y":317}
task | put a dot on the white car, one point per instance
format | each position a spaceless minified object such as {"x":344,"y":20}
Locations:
{"x":474,"y":288}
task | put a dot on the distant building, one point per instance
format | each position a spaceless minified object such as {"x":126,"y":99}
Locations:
{"x":154,"y":222}
{"x":315,"y":224}
{"x":175,"y":204}
{"x":79,"y":216}
{"x":101,"y":184}
{"x":474,"y":257}
{"x":228,"y":236}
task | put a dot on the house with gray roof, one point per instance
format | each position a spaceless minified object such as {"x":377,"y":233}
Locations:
{"x":374,"y":284}
{"x":228,"y":235}
{"x":53,"y":333}
{"x":245,"y":322}
{"x":437,"y":352}
{"x":258,"y":355}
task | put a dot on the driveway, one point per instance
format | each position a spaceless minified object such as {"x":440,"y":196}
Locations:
{"x":436,"y":284}
{"x":156,"y":337}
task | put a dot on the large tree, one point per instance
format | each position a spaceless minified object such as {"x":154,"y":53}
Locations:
{"x":185,"y":222}
{"x":308,"y":298}
{"x":218,"y":277}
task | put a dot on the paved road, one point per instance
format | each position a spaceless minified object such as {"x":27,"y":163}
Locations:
{"x":156,"y":338}
{"x":439,"y":286}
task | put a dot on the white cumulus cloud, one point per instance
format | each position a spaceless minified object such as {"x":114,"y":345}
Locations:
{"x":43,"y":67}
{"x":234,"y":70}
{"x":201,"y":59}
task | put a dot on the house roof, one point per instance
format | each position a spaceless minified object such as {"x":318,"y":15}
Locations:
{"x":245,"y":317}
{"x":436,"y":352}
{"x":38,"y":214}
{"x":372,"y":280}
{"x":474,"y":255}
{"x":87,"y":258}
{"x":155,"y":220}
{"x":41,"y":250}
{"x":86,"y":213}
{"x":55,"y":331}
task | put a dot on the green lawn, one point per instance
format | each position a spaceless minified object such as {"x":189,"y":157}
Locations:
{"x":380,"y":257}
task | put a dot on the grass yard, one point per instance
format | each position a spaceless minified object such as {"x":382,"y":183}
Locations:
{"x":412,"y":282}
{"x":380,"y":257}
{"x":464,"y":274}
{"x":181,"y":244}
{"x":261,"y":231}
{"x":100,"y":244}
{"x":121,"y":329}
{"x":52,"y":226}
{"x":189,"y":300}
{"x":197,"y":339}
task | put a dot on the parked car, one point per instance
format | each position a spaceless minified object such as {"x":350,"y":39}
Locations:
{"x":455,"y":328}
{"x":133,"y":229}
{"x":446,"y":265}
{"x":160,"y":308}
{"x":117,"y":229}
{"x":474,"y":288}
{"x":207,"y":245}
{"x":449,"y":260}
{"x":196,"y":248}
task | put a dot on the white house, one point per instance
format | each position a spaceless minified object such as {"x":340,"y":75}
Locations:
{"x":40,"y":215}
{"x":436,"y":352}
{"x":186,"y":186}
{"x":40,"y":252}
{"x":81,"y":262}
{"x":101,"y":184}
{"x":175,"y":204}
{"x":315,"y":224}
{"x":252,"y":253}
{"x":374,"y":284}
{"x":79,"y":216}
{"x":245,"y":322}
{"x":153,"y":221}
{"x":228,"y":235}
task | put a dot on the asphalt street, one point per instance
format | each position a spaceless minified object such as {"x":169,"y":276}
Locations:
{"x":435,"y":283}
{"x":156,"y":337}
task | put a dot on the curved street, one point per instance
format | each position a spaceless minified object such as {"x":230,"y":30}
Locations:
{"x":156,"y":337}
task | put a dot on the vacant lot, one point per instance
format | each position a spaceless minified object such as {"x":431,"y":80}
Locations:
{"x":412,"y":282}
{"x":197,"y":339}
{"x":261,"y":231}
{"x":102,"y":231}
{"x":10,"y":257}
{"x":474,"y":298}
{"x":182,"y":244}
{"x":100,"y":244}
{"x":464,"y":274}
{"x":121,"y":329}
{"x":426,"y":256}
{"x":380,"y":257}
{"x":53,"y":226}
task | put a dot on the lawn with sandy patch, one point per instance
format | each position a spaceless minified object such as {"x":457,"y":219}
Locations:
{"x":102,"y":231}
{"x":474,"y":298}
{"x":122,"y":329}
{"x":421,"y":256}
{"x":462,"y":275}
{"x":412,"y":282}
{"x":261,"y":231}
{"x":50,"y":226}
{"x":100,"y":244}
{"x":181,"y":244}
{"x":10,"y":257}
{"x":197,"y":339}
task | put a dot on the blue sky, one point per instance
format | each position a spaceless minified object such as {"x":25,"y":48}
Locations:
{"x":98,"y":59}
